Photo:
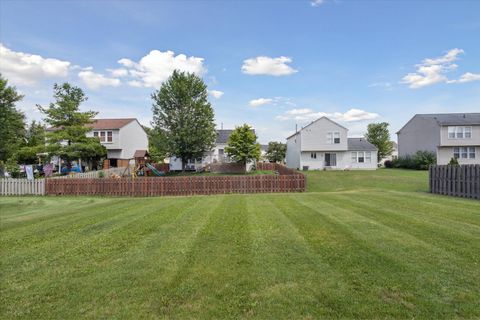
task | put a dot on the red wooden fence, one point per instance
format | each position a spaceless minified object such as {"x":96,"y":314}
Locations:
{"x":287,"y":180}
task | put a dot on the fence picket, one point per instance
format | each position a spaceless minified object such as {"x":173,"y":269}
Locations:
{"x":459,"y":181}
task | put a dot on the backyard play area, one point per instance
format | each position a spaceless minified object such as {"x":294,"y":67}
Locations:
{"x":356,"y":244}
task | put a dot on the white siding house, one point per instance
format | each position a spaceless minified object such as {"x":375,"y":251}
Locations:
{"x":325,"y":144}
{"x":217,"y":154}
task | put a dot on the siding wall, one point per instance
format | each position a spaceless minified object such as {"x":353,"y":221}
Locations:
{"x":314,"y":136}
{"x":418,"y":134}
{"x":445,"y":154}
{"x":473,"y":141}
{"x":292,"y":158}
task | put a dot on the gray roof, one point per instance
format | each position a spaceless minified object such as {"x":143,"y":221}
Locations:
{"x":360,"y":144}
{"x":452,"y":119}
{"x":224,"y":134}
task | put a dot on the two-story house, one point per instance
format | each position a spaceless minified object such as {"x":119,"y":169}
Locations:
{"x":121,"y":137}
{"x":449,"y":135}
{"x":324,"y":144}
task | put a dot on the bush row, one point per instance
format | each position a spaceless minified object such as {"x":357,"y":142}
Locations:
{"x":421,"y":160}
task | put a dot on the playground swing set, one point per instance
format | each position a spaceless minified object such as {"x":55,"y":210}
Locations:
{"x":143,"y":165}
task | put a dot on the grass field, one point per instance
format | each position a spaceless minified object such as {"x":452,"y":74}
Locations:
{"x":357,"y":245}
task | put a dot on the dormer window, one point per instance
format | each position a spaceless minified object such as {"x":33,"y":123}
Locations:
{"x":459,"y":132}
{"x":333,"y":137}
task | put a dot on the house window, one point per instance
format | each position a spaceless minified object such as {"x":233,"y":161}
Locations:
{"x":464,"y":152}
{"x":313,"y":155}
{"x":333,"y":137}
{"x":459,"y":132}
{"x":471,"y":152}
{"x":104,"y":136}
{"x":361,"y":157}
{"x":468,"y":132}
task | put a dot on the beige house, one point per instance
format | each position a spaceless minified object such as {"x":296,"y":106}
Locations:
{"x":450,"y":135}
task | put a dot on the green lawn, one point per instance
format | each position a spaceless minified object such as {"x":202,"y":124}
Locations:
{"x":357,"y":245}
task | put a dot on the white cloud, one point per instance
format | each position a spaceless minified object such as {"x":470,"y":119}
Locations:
{"x":117,"y":73}
{"x":154,"y":68}
{"x":385,"y":85}
{"x":215,"y":93}
{"x":467,"y":77}
{"x":433,"y":70}
{"x":95,"y":80}
{"x":307,"y":114}
{"x":135,"y":83}
{"x":268,"y":66}
{"x":260,"y":102}
{"x":316,"y":3}
{"x":27,"y":69}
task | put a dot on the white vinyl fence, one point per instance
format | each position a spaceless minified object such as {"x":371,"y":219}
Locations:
{"x":20,"y":187}
{"x":95,"y":174}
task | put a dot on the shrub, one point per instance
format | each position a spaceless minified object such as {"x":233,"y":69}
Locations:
{"x":101,"y":174}
{"x":388,"y":164}
{"x":453,"y":162}
{"x":421,"y":160}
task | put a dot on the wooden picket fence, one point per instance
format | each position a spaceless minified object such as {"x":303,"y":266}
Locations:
{"x":176,"y":186}
{"x":20,"y":187}
{"x":287,"y":180}
{"x":459,"y":181}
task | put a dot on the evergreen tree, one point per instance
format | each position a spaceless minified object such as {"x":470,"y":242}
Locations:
{"x":68,"y":138}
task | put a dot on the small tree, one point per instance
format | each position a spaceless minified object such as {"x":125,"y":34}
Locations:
{"x":33,"y":145}
{"x":12,"y":121}
{"x":182,"y":112}
{"x":453,"y":162}
{"x":68,"y":140}
{"x":242,"y":145}
{"x":276,"y":151}
{"x":378,"y":135}
{"x":157,"y":146}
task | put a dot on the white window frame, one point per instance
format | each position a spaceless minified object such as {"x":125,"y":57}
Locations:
{"x":103,"y":134}
{"x":459,"y":132}
{"x":332,"y":135}
{"x":464,"y":152}
{"x":366,"y":156}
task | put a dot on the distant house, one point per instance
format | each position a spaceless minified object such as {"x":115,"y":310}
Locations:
{"x":448,"y":135}
{"x":121,"y":137}
{"x":393,"y":155}
{"x":324,"y":144}
{"x":217,"y":154}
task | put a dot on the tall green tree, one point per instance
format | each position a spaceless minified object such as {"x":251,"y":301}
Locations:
{"x":242,"y":145}
{"x":276,"y":151}
{"x":12,"y":121}
{"x":33,"y":145}
{"x":182,"y":112}
{"x":68,"y":138}
{"x":378,"y":135}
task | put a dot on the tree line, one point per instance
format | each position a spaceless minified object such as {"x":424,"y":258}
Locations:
{"x":183,"y":126}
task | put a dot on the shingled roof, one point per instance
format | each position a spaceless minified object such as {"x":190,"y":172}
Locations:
{"x":360,"y":144}
{"x":223,"y":135}
{"x":104,"y":124}
{"x":449,"y":119}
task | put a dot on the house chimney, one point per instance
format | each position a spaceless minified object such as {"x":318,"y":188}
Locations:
{"x":221,"y":126}
{"x":296,"y":128}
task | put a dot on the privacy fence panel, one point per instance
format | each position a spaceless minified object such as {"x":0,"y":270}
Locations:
{"x":285,"y":180}
{"x":177,"y":186}
{"x":20,"y":187}
{"x":459,"y":181}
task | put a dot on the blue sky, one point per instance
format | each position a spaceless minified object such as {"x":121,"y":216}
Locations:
{"x":272,"y":64}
